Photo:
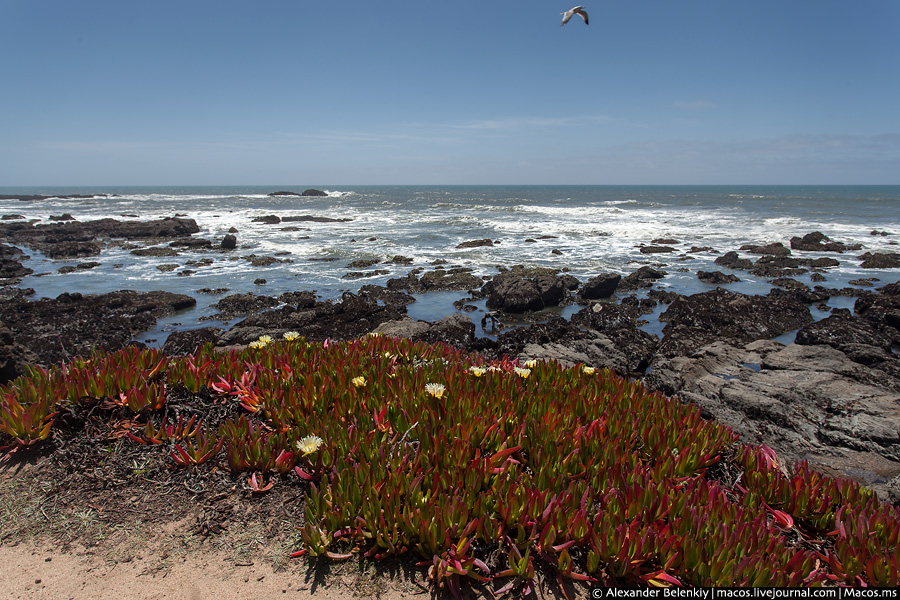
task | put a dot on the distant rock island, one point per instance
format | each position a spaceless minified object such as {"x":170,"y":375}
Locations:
{"x":309,"y":192}
{"x":36,"y":197}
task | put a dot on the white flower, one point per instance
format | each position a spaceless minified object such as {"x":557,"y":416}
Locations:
{"x":435,"y":389}
{"x":291,"y":336}
{"x":477,"y":371}
{"x":257,"y":344}
{"x":523,"y":373}
{"x":265,"y":339}
{"x":588,"y":370}
{"x":309,"y":444}
{"x":530,"y":363}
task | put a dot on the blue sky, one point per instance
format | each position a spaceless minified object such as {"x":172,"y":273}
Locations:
{"x":304,"y":92}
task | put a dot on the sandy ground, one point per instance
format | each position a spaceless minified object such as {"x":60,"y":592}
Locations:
{"x":40,"y":573}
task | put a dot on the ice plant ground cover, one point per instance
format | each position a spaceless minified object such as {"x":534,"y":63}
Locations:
{"x":490,"y":473}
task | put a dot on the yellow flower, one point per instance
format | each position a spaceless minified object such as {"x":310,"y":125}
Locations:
{"x":477,"y":371}
{"x":265,"y":339}
{"x":588,"y":370}
{"x":309,"y":444}
{"x":435,"y":389}
{"x":358,"y":381}
{"x":523,"y":373}
{"x":530,"y":363}
{"x":291,"y":336}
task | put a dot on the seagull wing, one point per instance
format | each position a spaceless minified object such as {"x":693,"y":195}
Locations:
{"x":573,"y":11}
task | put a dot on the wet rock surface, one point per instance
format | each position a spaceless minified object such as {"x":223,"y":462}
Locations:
{"x":819,"y":242}
{"x":698,"y":320}
{"x":71,"y":239}
{"x":517,"y":291}
{"x":58,"y":329}
{"x":350,"y":317}
{"x":454,"y":279}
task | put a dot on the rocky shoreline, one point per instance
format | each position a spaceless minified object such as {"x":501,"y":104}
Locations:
{"x":832,"y":397}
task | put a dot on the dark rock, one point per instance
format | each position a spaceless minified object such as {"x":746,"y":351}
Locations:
{"x":642,"y":278}
{"x":67,"y":249}
{"x":156,"y":251}
{"x":664,"y":296}
{"x":11,"y":270}
{"x":242,"y":305}
{"x":793,"y":289}
{"x":476,"y":243}
{"x":868,"y":282}
{"x":299,"y":300}
{"x":14,"y":357}
{"x":620,"y":346}
{"x":58,"y":329}
{"x":348,"y":318}
{"x":664,"y":241}
{"x":180,"y":343}
{"x":75,"y":238}
{"x":819,"y":242}
{"x":882,"y":310}
{"x":605,"y":316}
{"x":80,"y":267}
{"x":698,"y":320}
{"x":362,"y":263}
{"x":259,"y":281}
{"x":777,"y":266}
{"x":733,"y":261}
{"x":840,"y":329}
{"x":716,"y":277}
{"x":284,"y":194}
{"x":516,"y":291}
{"x":313,"y":192}
{"x":399,"y":260}
{"x":264,"y":261}
{"x":775,"y":249}
{"x":878,"y":260}
{"x":312,"y":219}
{"x":458,"y":279}
{"x":267,"y":219}
{"x":229,"y":242}
{"x":385,"y":295}
{"x":362,"y":274}
{"x":656,"y":249}
{"x":191,"y":243}
{"x":62,"y":217}
{"x":11,"y":217}
{"x":38,"y":197}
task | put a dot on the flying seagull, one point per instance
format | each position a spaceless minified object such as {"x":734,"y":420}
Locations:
{"x":578,"y":10}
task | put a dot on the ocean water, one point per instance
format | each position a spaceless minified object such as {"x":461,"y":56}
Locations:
{"x":592,"y":229}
